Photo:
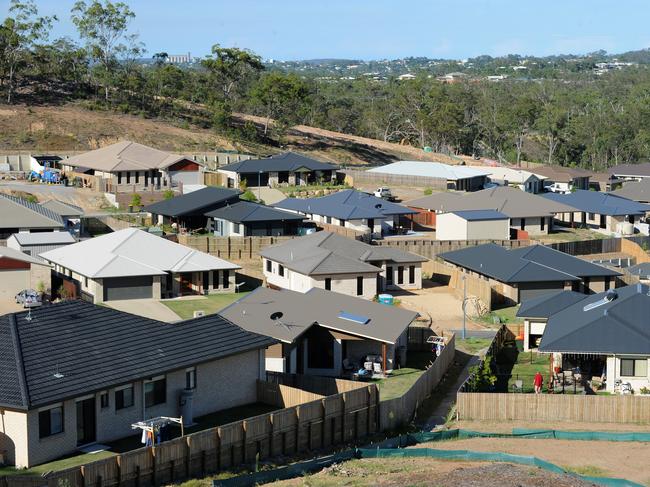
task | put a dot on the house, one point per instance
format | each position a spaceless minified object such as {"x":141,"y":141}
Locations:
{"x":642,"y":270}
{"x":19,"y":271}
{"x":518,"y":178}
{"x":330,"y":261}
{"x":246,"y":219}
{"x":631,"y":172}
{"x":569,"y":178}
{"x":20,"y":215}
{"x":461,"y":178}
{"x":605,"y":335}
{"x":134,"y":264}
{"x":527,"y":212}
{"x":35,"y":244}
{"x":350,"y":208}
{"x":188,"y":210}
{"x":323,"y":332}
{"x":605,"y":211}
{"x":635,"y":190}
{"x":128,"y":167}
{"x":71,"y":214}
{"x":473,"y":225}
{"x":536,"y":312}
{"x":524,"y":273}
{"x":287,"y":168}
{"x":75,"y":374}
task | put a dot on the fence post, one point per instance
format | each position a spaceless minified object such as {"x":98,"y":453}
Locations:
{"x":217,"y":432}
{"x":344,"y":409}
{"x":188,"y":458}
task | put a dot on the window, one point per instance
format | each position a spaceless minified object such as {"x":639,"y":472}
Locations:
{"x":146,"y":179}
{"x":342,"y":223}
{"x":128,"y":177}
{"x":523,"y":224}
{"x":190,"y":378}
{"x":155,"y":391}
{"x":328,"y":283}
{"x":85,"y":281}
{"x":50,"y":421}
{"x":27,"y":252}
{"x":235,"y":228}
{"x":400,"y":275}
{"x":328,"y":219}
{"x":215,"y":279}
{"x":281,"y":270}
{"x":634,"y":367}
{"x":124,"y":398}
{"x":269,"y":266}
{"x":137,"y":177}
{"x":389,"y":276}
{"x":359,"y":285}
{"x":226,"y":279}
{"x":103,"y":400}
{"x":119,"y":177}
{"x":412,"y":274}
{"x":542,"y":223}
{"x":592,"y":216}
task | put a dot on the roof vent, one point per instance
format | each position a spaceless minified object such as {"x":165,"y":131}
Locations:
{"x":277,"y":315}
{"x":610,"y":296}
{"x":378,"y":205}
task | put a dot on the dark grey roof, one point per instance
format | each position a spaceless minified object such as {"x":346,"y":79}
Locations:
{"x":536,"y":263}
{"x":597,"y":325}
{"x":18,"y":212}
{"x":548,"y":304}
{"x":346,"y":205}
{"x":635,"y":190}
{"x":194,"y":203}
{"x":288,"y":161}
{"x":247,"y":212}
{"x":95,"y":347}
{"x":599,"y":203}
{"x":317,"y":307}
{"x":480,"y":215}
{"x":630,"y":170}
{"x":63,"y":209}
{"x":642,"y":270}
{"x":328,"y":253}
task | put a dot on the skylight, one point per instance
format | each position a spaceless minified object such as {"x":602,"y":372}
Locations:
{"x":362,"y":320}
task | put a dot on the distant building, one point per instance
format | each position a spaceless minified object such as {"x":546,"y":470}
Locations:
{"x":179,"y":58}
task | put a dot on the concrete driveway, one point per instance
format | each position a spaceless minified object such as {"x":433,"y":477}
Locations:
{"x":9,"y":306}
{"x":149,"y":308}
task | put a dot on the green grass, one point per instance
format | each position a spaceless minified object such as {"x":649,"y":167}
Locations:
{"x":402,"y":379}
{"x":472,"y":345}
{"x":525,"y":368}
{"x":62,"y":464}
{"x":185,"y":308}
{"x":566,"y":234}
{"x":505,"y":315}
{"x":588,"y":470}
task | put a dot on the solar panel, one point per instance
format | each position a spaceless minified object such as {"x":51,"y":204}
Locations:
{"x":362,"y":320}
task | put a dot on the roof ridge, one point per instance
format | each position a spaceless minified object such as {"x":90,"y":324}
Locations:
{"x":329,"y":252}
{"x":18,"y":354}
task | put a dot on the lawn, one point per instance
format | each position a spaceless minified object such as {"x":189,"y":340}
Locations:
{"x":472,"y":345}
{"x":402,"y":379}
{"x":525,"y":368}
{"x":504,"y":315}
{"x":212,"y":303}
{"x":62,"y":464}
{"x":566,"y":234}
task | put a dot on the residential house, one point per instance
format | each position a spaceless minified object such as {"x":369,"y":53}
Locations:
{"x":641,"y":270}
{"x":524,"y":273}
{"x":350,"y":208}
{"x":604,"y":211}
{"x":188,"y":210}
{"x":635,"y":190}
{"x":35,"y":244}
{"x":606,"y":336}
{"x":461,"y":178}
{"x":536,"y":312}
{"x":20,"y":215}
{"x":473,"y":225}
{"x":246,"y":219}
{"x":75,"y":374}
{"x":527,"y":212}
{"x":517,"y":178}
{"x":631,"y":172}
{"x":134,"y":264}
{"x":19,"y":271}
{"x":569,"y":178}
{"x":322,"y":332}
{"x":330,"y":261}
{"x":288,"y":168}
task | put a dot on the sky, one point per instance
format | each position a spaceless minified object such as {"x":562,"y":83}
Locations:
{"x":380,"y":29}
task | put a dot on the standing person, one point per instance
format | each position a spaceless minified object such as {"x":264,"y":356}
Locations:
{"x":537,"y":382}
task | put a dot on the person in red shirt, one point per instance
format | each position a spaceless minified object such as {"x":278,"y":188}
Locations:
{"x":538,"y":381}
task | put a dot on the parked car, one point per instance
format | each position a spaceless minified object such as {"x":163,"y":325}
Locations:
{"x":562,"y":188}
{"x":28,"y":298}
{"x":384,"y":193}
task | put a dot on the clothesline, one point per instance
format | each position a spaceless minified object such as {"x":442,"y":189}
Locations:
{"x":151,"y":428}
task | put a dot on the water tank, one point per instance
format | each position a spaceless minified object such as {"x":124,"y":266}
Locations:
{"x":626,"y":228}
{"x":185,"y":406}
{"x":386,"y":299}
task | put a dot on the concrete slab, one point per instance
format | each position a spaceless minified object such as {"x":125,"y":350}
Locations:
{"x":10,"y":306}
{"x":149,"y":308}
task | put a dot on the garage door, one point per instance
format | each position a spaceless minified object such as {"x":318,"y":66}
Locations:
{"x":532,"y":290}
{"x":139,"y":287}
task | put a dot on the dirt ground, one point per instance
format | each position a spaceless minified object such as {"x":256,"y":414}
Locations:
{"x":402,"y":472}
{"x":85,"y":198}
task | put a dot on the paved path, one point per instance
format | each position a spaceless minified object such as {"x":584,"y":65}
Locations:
{"x":270,"y":196}
{"x":149,"y":308}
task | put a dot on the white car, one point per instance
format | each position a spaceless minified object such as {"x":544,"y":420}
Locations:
{"x":383,"y":193}
{"x":562,"y":188}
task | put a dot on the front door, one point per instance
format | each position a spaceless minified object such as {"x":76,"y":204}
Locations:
{"x":603,"y":221}
{"x":86,"y":421}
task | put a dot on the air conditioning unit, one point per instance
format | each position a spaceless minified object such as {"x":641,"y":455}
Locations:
{"x":198,"y":313}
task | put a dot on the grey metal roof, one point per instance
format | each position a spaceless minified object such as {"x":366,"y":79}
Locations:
{"x":598,"y":326}
{"x":349,"y":204}
{"x":287,"y":161}
{"x":599,"y":203}
{"x":43,"y":238}
{"x":536,"y":263}
{"x":96,"y":347}
{"x":194,"y":203}
{"x":247,"y":212}
{"x":480,"y":215}
{"x":635,"y":190}
{"x":63,"y":209}
{"x":324,"y":253}
{"x":20,"y":213}
{"x":512,"y":202}
{"x":316,"y":307}
{"x":642,"y":270}
{"x":548,"y":304}
{"x":630,"y":170}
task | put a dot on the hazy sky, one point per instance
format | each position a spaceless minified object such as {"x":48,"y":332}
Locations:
{"x":376,"y":29}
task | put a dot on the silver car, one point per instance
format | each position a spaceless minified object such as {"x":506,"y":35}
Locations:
{"x":28,"y":298}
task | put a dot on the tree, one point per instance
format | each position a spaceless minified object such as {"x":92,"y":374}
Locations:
{"x":19,"y":33}
{"x":104,"y":28}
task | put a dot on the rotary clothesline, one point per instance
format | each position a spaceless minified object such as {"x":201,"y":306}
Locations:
{"x":152,"y":427}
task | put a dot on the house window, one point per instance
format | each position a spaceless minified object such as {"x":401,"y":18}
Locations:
{"x":359,"y":285}
{"x":342,"y":223}
{"x":235,"y":227}
{"x":389,"y":276}
{"x":27,"y":252}
{"x":124,"y":398}
{"x":50,"y":421}
{"x":412,"y":274}
{"x":400,"y":275}
{"x":523,"y":224}
{"x":328,"y":283}
{"x":328,"y":219}
{"x":281,"y":270}
{"x":634,"y":367}
{"x":592,"y":216}
{"x":269,"y":266}
{"x":137,"y":177}
{"x":119,"y":177}
{"x":215,"y":279}
{"x":190,"y":378}
{"x":103,"y":400}
{"x":128,"y":177}
{"x":226,"y":279}
{"x":146,"y":179}
{"x":155,"y":391}
{"x":542,"y":223}
{"x":85,"y":281}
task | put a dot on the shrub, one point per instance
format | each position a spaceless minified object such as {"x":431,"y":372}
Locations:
{"x":248,"y":195}
{"x":428,"y":191}
{"x":168,"y":194}
{"x":136,"y":200}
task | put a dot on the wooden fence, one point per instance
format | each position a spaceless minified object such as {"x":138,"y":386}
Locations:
{"x":432,"y":248}
{"x":400,"y":410}
{"x":355,"y":177}
{"x":345,"y":232}
{"x":230,"y":248}
{"x":485,"y":406}
{"x":452,"y":276}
